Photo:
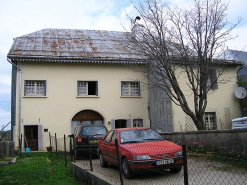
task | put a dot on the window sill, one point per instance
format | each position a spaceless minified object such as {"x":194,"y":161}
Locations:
{"x":130,"y":96}
{"x":34,"y":96}
{"x":87,"y":96}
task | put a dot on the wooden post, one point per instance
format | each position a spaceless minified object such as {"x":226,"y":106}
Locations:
{"x":50,"y":142}
{"x":56,"y":145}
{"x":119,"y":162}
{"x":89,"y":152}
{"x":65,"y":151}
{"x":185,"y":165}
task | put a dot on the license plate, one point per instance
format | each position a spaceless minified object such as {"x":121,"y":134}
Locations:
{"x":94,"y":141}
{"x":167,"y":161}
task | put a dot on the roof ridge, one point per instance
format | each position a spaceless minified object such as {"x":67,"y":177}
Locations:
{"x":30,"y":35}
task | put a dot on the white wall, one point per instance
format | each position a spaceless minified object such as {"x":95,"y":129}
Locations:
{"x":56,"y":110}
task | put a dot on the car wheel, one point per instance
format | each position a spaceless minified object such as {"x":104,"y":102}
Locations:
{"x":176,"y":170}
{"x":103,"y":163}
{"x":126,"y":169}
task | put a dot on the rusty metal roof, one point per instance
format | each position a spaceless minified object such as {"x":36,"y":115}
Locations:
{"x":73,"y":45}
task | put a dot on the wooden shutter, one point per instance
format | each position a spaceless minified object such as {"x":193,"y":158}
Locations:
{"x":97,"y":84}
{"x":25,"y":87}
{"x":112,"y":123}
{"x":129,"y":123}
{"x":45,"y":88}
{"x":213,"y":79}
{"x":139,"y":88}
{"x":40,"y":137}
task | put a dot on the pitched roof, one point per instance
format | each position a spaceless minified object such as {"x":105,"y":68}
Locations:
{"x":239,"y":55}
{"x":73,"y":45}
{"x":235,"y":55}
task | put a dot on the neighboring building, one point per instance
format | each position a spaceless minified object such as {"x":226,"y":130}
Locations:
{"x":236,"y":55}
{"x":71,"y":77}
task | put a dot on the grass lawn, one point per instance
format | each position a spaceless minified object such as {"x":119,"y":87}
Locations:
{"x":37,"y":168}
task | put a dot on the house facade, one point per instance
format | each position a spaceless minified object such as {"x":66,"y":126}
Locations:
{"x":62,"y":78}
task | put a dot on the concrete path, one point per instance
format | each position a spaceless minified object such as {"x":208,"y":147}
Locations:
{"x":200,"y":172}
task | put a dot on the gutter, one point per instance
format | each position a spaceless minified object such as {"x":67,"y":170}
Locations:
{"x":19,"y":95}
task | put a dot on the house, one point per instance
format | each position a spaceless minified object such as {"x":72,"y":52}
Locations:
{"x":242,"y":73}
{"x":236,"y":55}
{"x":65,"y":77}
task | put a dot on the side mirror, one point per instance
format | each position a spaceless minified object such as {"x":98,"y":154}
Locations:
{"x":112,"y":143}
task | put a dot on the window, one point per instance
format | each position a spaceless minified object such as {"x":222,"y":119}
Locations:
{"x":114,"y":136}
{"x":85,"y":88}
{"x":137,"y":123}
{"x":212,"y":79}
{"x":35,"y":88}
{"x":130,"y":89}
{"x":210,"y":121}
{"x":108,"y":137}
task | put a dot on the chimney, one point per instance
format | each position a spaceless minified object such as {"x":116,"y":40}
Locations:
{"x":136,"y":28}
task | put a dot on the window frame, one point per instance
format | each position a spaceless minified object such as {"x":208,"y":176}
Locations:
{"x":137,"y":119}
{"x":129,"y":88}
{"x":35,"y":88}
{"x":87,"y":89}
{"x":208,"y":115}
{"x":212,"y":81}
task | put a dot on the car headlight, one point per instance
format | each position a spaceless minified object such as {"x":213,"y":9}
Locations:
{"x":141,"y":157}
{"x":179,"y":153}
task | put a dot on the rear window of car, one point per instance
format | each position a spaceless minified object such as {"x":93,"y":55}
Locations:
{"x":94,"y":130}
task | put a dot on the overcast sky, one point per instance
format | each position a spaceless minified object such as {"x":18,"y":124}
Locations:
{"x":21,"y":17}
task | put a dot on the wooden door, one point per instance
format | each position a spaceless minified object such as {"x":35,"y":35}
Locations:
{"x":31,"y":137}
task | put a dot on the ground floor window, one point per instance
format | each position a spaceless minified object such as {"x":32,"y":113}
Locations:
{"x":137,"y":123}
{"x":121,"y":123}
{"x":210,"y":120}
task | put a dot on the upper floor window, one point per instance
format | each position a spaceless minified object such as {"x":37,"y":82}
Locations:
{"x":35,"y":88}
{"x":212,"y":79}
{"x":85,"y":88}
{"x":130,"y":89}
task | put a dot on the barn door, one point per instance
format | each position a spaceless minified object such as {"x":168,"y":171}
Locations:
{"x":31,"y":137}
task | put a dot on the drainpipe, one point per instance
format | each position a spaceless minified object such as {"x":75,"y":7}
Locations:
{"x":19,"y":96}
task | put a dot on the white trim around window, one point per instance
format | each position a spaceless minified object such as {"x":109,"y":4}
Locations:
{"x":35,"y":88}
{"x":87,"y":88}
{"x":210,"y":120}
{"x":138,"y":122}
{"x":130,"y":88}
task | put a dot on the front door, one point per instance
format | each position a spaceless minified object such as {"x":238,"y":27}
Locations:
{"x":31,"y":137}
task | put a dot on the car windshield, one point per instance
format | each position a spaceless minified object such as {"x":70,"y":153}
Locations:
{"x":94,"y":130}
{"x":139,"y":135}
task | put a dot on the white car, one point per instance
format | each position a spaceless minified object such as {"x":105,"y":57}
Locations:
{"x":239,"y":123}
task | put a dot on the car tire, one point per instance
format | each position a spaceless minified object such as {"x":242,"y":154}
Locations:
{"x":126,"y":169}
{"x":103,"y":163}
{"x":176,"y":170}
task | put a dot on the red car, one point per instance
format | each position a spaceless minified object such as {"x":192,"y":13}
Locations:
{"x":139,"y":148}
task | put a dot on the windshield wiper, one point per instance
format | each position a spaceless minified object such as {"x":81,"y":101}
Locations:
{"x":158,"y":139}
{"x":132,"y":142}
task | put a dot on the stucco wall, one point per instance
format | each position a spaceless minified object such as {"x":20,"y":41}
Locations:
{"x":220,"y":101}
{"x":55,"y":111}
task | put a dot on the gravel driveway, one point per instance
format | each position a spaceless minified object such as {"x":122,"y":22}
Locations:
{"x":200,"y":171}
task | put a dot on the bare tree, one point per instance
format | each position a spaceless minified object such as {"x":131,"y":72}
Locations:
{"x":183,"y":42}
